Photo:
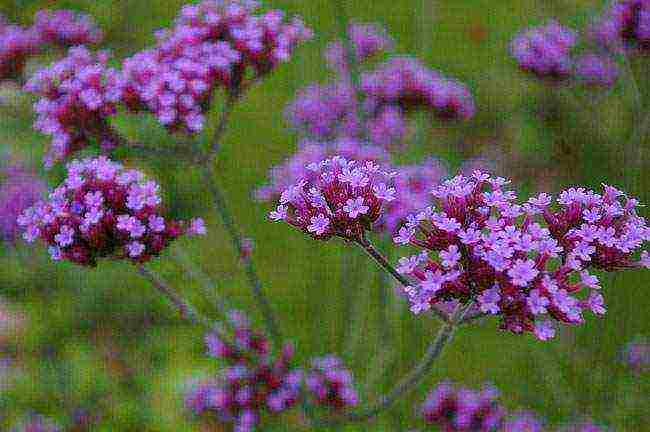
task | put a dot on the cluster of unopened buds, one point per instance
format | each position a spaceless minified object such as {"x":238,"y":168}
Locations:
{"x":389,"y":93}
{"x":330,"y":384}
{"x":62,"y":28}
{"x":253,"y":384}
{"x":338,"y":197}
{"x":212,"y":44}
{"x":520,"y":261}
{"x":548,"y":52}
{"x":103,"y":210}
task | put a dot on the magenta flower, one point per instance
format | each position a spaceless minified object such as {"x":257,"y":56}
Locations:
{"x":330,"y":384}
{"x":625,"y":24}
{"x":66,"y":28}
{"x":101,"y":211}
{"x":545,"y":51}
{"x":338,"y":198}
{"x":527,"y":262}
{"x":253,"y":385}
{"x":459,"y":409}
{"x":17,"y":44}
{"x":78,"y":96}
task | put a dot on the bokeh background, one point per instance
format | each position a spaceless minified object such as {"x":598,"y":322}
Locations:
{"x":102,"y":340}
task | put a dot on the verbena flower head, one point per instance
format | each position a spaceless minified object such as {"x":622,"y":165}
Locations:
{"x":523,"y":421}
{"x":37,"y":423}
{"x":530,"y":262}
{"x":17,"y":44}
{"x":78,"y":94}
{"x":19,"y":189}
{"x":412,"y":191}
{"x":368,"y":40}
{"x":625,"y":24}
{"x":338,"y":197}
{"x":212,"y":44}
{"x":66,"y":28}
{"x":456,"y":409}
{"x":254,"y":384}
{"x":102,"y":210}
{"x":545,"y":51}
{"x":596,"y":70}
{"x":405,"y":82}
{"x":637,"y":356}
{"x":295,"y":168}
{"x":330,"y":384}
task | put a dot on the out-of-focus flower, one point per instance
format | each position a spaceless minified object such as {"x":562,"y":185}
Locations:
{"x":596,"y":70}
{"x":214,"y":43}
{"x":525,"y":262}
{"x":330,"y":384}
{"x":545,"y":51}
{"x":337,"y":198}
{"x":101,"y":210}
{"x":637,"y":356}
{"x":66,"y":28}
{"x":19,"y":189}
{"x":523,"y":422}
{"x":78,"y":95}
{"x":459,"y":409}
{"x":625,"y":24}
{"x":582,"y":426}
{"x":37,"y":423}
{"x":368,"y":40}
{"x":17,"y":44}
{"x":252,"y":386}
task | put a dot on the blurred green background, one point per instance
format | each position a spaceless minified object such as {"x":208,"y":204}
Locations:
{"x":103,"y":340}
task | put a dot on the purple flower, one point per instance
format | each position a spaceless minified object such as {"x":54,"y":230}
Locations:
{"x":596,"y":70}
{"x":523,"y":422}
{"x":330,"y":384}
{"x":367,"y":40}
{"x":19,"y":189}
{"x":37,"y":423}
{"x":120,"y":211}
{"x":17,"y":44}
{"x":637,"y":356}
{"x":66,"y":28}
{"x":624,"y":25}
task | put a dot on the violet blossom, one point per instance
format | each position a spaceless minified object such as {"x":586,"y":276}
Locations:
{"x":66,"y":28}
{"x":330,"y":384}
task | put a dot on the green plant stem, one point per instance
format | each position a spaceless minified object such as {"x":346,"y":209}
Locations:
{"x":383,"y":262}
{"x":186,"y":310}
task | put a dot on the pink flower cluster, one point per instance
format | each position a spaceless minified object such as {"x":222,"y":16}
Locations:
{"x":103,"y":211}
{"x":625,"y":24}
{"x":368,"y":40}
{"x":331,"y":384}
{"x":77,"y":96}
{"x":521,"y":261}
{"x":17,"y":44}
{"x":463,"y":410}
{"x":66,"y":28}
{"x":214,"y":43}
{"x":547,"y":52}
{"x":252,"y":385}
{"x":295,"y":168}
{"x":339,"y":198}
{"x":389,"y":94}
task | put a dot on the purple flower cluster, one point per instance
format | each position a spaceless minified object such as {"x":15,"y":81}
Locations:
{"x":17,"y":44}
{"x":19,"y":189}
{"x":251,"y":385}
{"x":214,"y":43}
{"x":78,"y":94}
{"x":389,"y":93}
{"x":103,"y":211}
{"x":295,"y":168}
{"x":338,"y":197}
{"x":455,"y":409}
{"x":37,"y":423}
{"x":547,"y":52}
{"x":331,"y":384}
{"x":368,"y":40}
{"x":637,"y":356}
{"x":521,"y":261}
{"x":523,"y":421}
{"x":625,"y":24}
{"x":66,"y":28}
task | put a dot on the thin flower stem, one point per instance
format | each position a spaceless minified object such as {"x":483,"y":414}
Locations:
{"x":408,"y":382}
{"x":186,"y":310}
{"x":381,"y":260}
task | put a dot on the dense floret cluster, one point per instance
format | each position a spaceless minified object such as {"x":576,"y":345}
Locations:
{"x":78,"y":95}
{"x":330,"y":384}
{"x":103,"y":211}
{"x":520,"y":261}
{"x":338,"y":198}
{"x":66,"y":28}
{"x":625,"y":24}
{"x":212,"y":44}
{"x":252,"y":385}
{"x":455,"y":409}
{"x":17,"y":44}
